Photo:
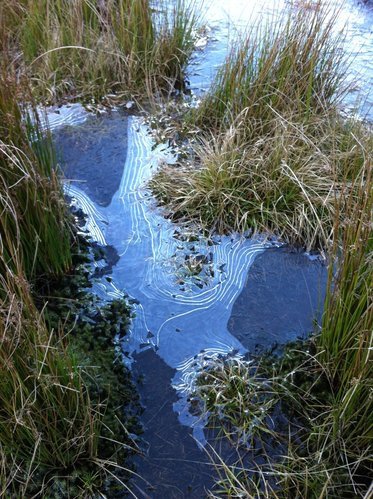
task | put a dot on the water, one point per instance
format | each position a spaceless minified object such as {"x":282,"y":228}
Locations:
{"x":193,"y":298}
{"x":225,"y":20}
{"x":182,"y":317}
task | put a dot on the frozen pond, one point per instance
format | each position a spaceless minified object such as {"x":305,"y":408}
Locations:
{"x":193,"y":297}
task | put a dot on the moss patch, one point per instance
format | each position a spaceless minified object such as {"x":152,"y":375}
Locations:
{"x":96,"y":329}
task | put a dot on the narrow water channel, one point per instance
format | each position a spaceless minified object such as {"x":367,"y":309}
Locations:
{"x":193,"y":297}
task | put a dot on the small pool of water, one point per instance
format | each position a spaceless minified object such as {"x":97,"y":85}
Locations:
{"x":193,"y":298}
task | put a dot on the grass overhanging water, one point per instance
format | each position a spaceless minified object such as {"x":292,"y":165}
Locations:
{"x":56,"y":410}
{"x":46,"y":417}
{"x":271,"y":151}
{"x":322,"y":385}
{"x":55,"y":407}
{"x":274,"y":154}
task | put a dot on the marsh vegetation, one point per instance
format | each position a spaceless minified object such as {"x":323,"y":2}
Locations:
{"x":322,"y":385}
{"x":267,"y":150}
{"x":87,"y":50}
{"x":56,"y":402}
{"x":63,"y":432}
{"x":272,"y":152}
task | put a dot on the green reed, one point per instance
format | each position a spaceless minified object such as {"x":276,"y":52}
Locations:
{"x":34,"y":222}
{"x":271,"y":147}
{"x":84,"y":49}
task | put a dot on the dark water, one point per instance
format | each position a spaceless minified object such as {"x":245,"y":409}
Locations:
{"x":281,"y":300}
{"x":248,"y":294}
{"x":94,"y":141}
{"x":173,"y":464}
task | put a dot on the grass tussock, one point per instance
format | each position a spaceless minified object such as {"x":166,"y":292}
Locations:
{"x":286,"y":184}
{"x":293,"y":66}
{"x":51,"y":431}
{"x":238,"y":398}
{"x":34,"y":224}
{"x":323,"y":387}
{"x":84,"y":49}
{"x":273,"y":153}
{"x":46,"y":420}
{"x":345,"y":342}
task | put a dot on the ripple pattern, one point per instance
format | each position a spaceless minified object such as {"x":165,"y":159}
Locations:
{"x":95,"y":220}
{"x":183,"y":326}
{"x":179,"y":325}
{"x":54,"y":117}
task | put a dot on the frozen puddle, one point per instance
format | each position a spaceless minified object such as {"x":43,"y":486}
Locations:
{"x":191,"y":297}
{"x":194,"y":299}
